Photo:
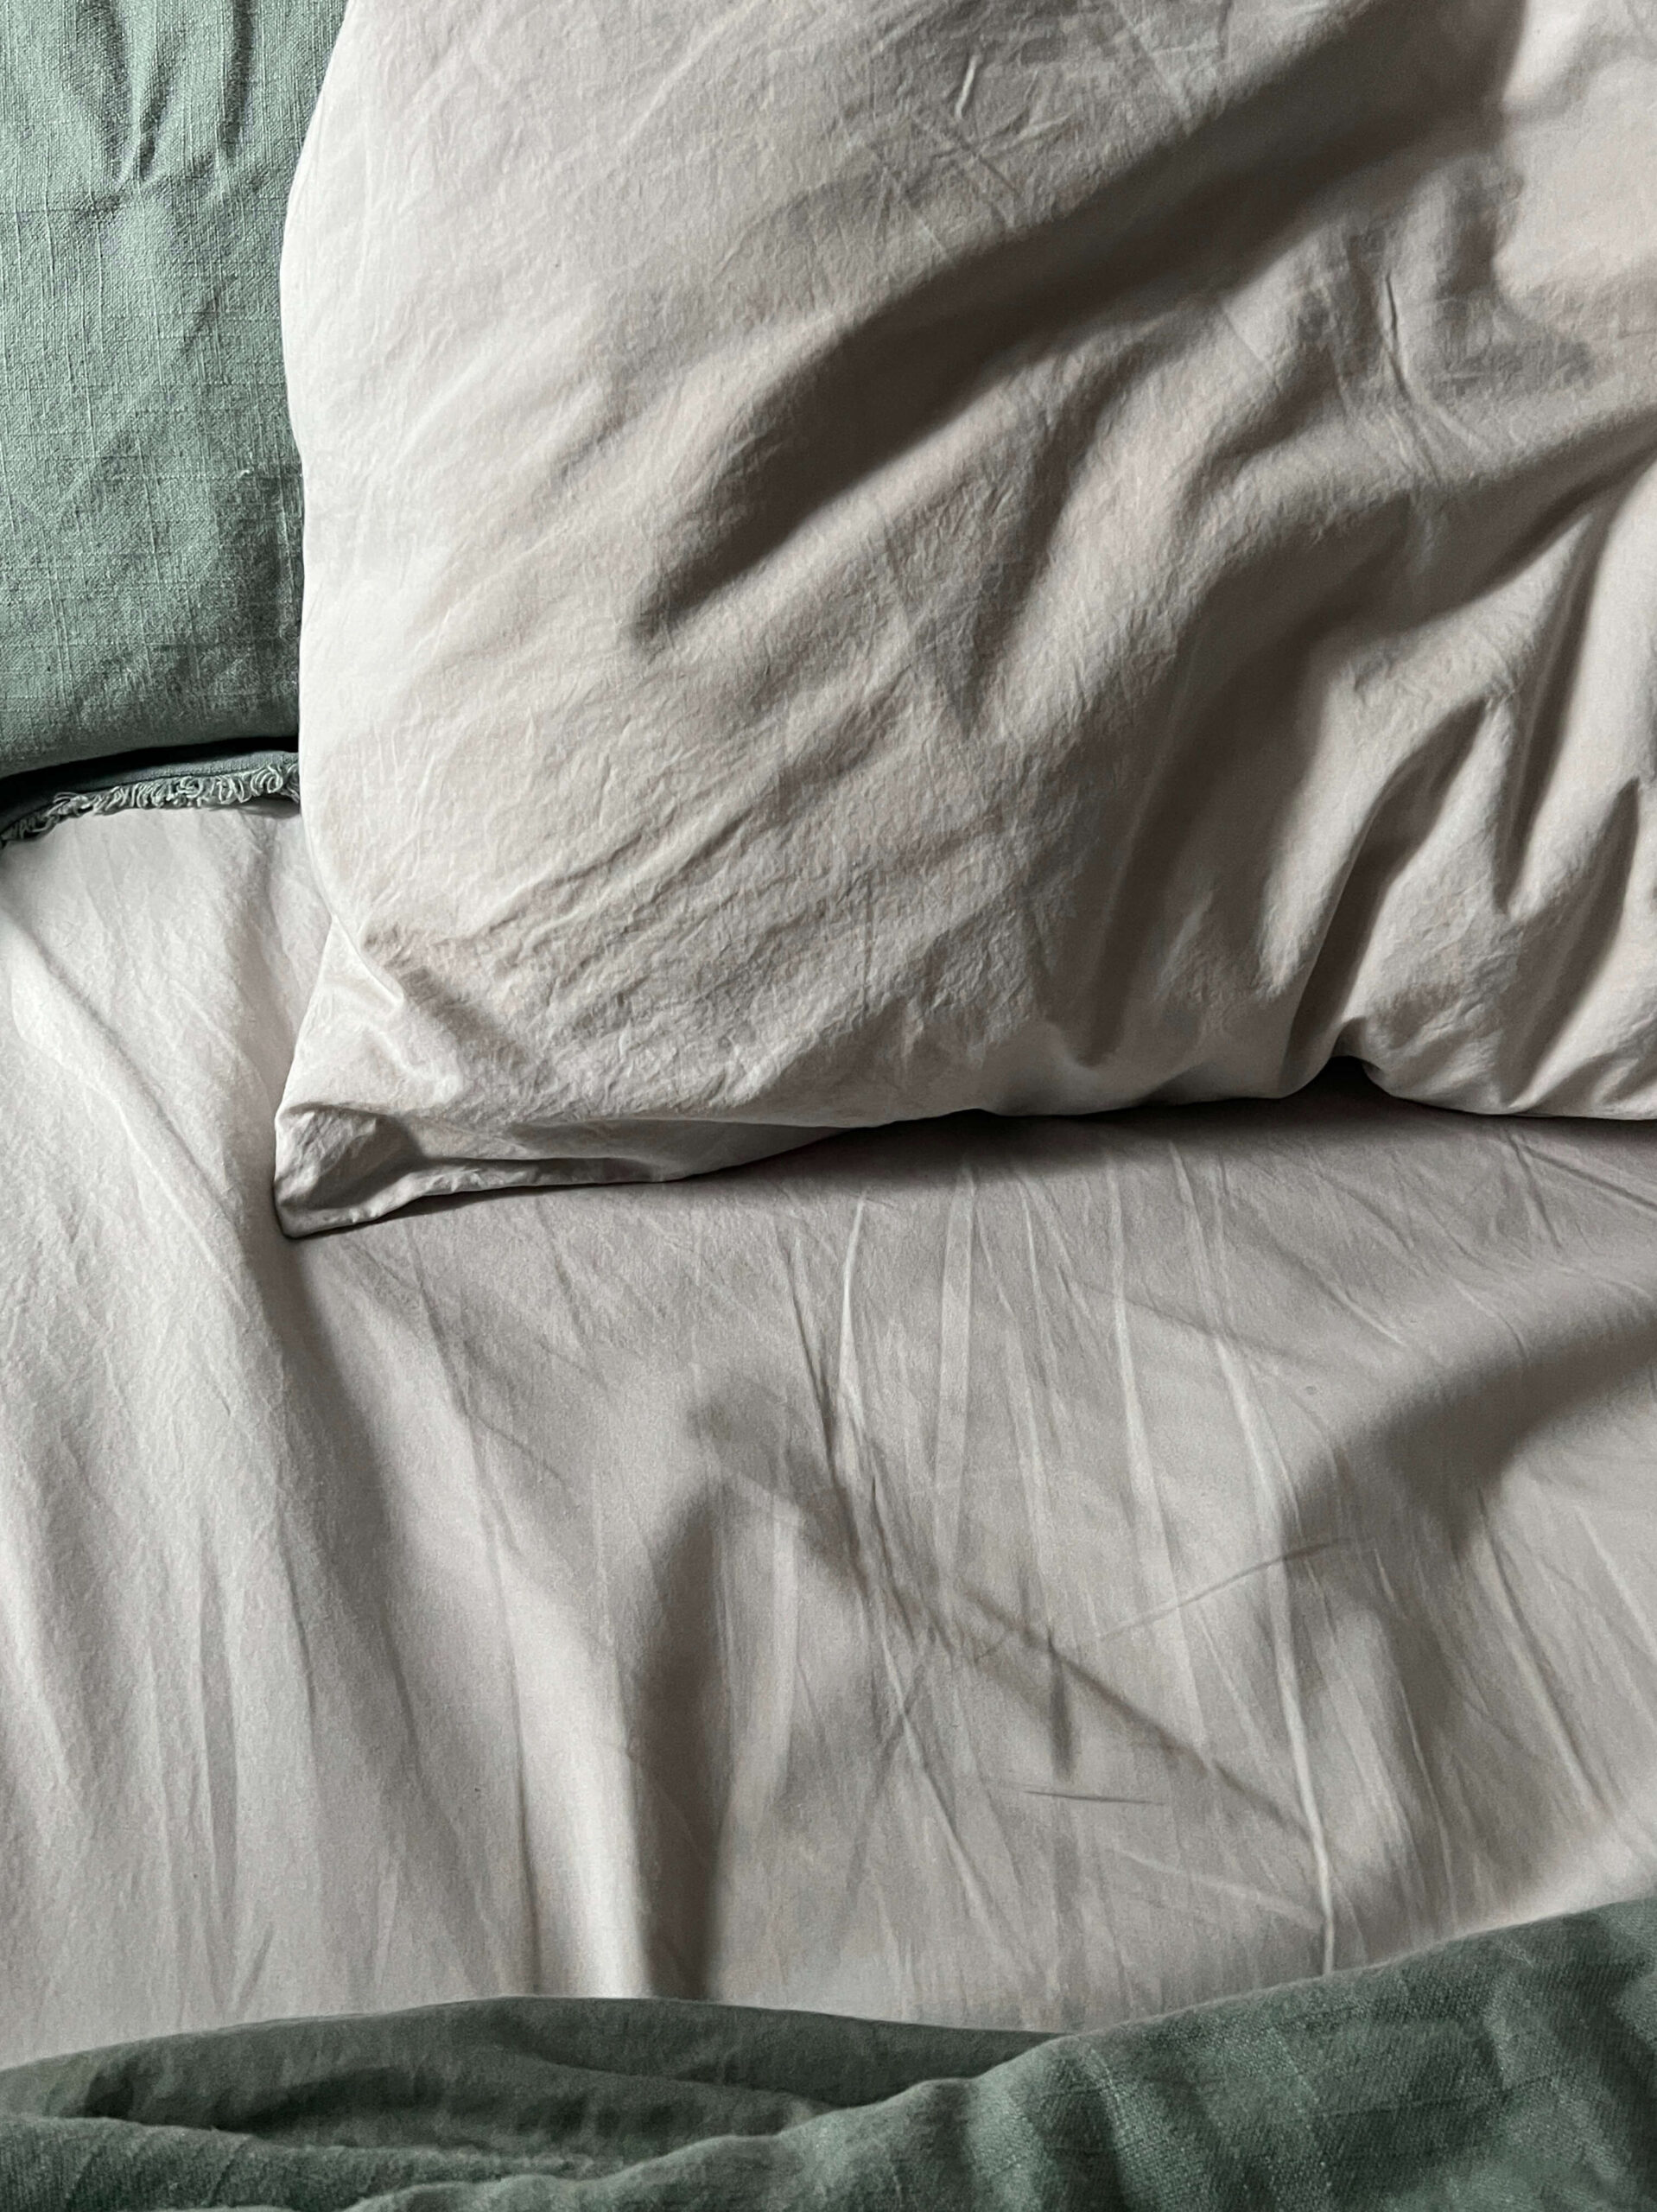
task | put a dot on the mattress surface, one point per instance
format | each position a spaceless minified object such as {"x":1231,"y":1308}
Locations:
{"x":1037,"y":1572}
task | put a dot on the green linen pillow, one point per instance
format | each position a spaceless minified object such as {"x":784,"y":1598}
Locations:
{"x":149,"y":493}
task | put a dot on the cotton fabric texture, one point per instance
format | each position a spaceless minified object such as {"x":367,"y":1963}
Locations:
{"x":871,"y":561}
{"x":149,"y":493}
{"x":1513,"y":2070}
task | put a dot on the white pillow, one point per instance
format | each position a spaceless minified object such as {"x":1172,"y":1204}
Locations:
{"x":863,"y":560}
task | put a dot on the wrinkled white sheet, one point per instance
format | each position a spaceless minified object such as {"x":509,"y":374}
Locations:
{"x":1030,"y":1572}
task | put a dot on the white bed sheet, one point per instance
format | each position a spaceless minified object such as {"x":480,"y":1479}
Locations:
{"x":1021,"y":1572}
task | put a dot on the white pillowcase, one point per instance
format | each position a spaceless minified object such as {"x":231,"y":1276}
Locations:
{"x":864,"y":560}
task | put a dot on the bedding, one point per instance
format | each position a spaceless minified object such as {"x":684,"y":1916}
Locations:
{"x":1026,"y":1573}
{"x":150,"y":583}
{"x":863,"y":563}
{"x":1513,"y":2070}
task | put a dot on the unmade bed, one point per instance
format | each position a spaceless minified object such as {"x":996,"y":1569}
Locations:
{"x":828,"y":1068}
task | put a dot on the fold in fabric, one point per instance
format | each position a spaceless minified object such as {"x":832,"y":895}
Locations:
{"x":1512,"y":2070}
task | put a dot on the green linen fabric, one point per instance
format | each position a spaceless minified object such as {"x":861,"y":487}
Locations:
{"x":202,"y":775}
{"x":150,"y":491}
{"x":1510,"y":2070}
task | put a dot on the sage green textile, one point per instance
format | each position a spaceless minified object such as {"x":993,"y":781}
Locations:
{"x":1512,"y":2070}
{"x":203,"y":775}
{"x":150,"y":494}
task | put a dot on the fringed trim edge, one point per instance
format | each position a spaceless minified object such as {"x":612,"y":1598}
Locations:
{"x":270,"y":779}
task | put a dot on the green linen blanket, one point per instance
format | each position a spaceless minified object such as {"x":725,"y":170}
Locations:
{"x":1509,"y":2070}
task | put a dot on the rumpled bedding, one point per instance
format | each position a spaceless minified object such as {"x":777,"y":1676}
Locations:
{"x":1027,"y":1573}
{"x":1512,"y":2070}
